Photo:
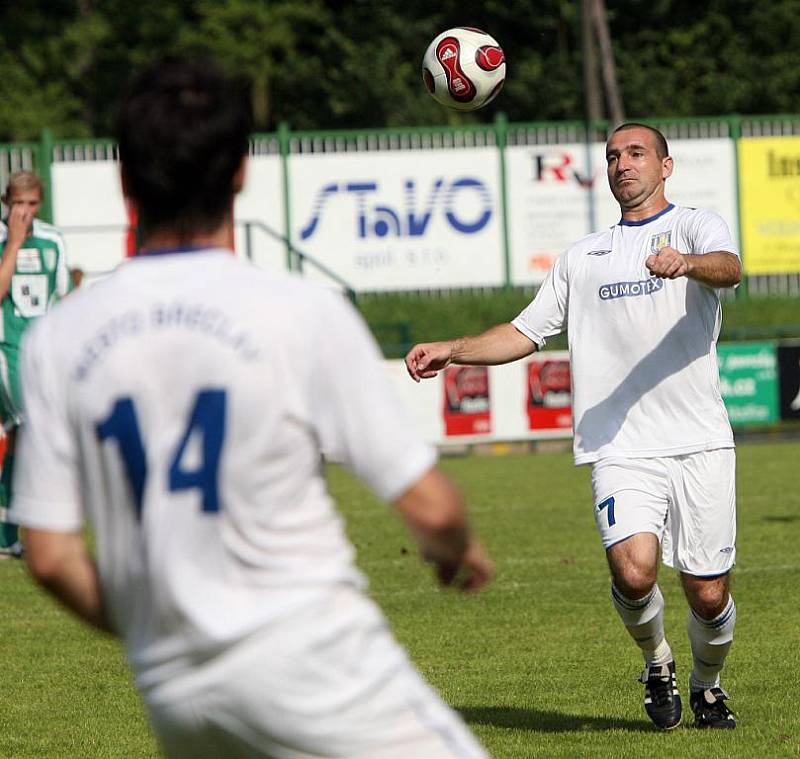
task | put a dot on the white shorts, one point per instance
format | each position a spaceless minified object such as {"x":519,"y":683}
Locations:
{"x":688,"y":502}
{"x":330,"y":682}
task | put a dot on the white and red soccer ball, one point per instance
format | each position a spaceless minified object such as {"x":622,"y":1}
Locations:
{"x":464,"y":68}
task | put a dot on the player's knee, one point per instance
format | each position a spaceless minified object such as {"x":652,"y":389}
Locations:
{"x":635,"y":581}
{"x":708,"y":600}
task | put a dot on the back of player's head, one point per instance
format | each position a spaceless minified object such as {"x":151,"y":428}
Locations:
{"x":183,"y":128}
{"x":662,"y":149}
{"x":23,"y":181}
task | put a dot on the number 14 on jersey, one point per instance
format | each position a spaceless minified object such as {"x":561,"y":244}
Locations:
{"x":206,"y":419}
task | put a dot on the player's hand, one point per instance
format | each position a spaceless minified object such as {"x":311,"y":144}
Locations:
{"x":19,"y":222}
{"x":473,"y":571}
{"x":428,"y":359}
{"x":668,"y":263}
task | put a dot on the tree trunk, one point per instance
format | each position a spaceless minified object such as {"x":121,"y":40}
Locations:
{"x":613,"y":98}
{"x":591,"y":82}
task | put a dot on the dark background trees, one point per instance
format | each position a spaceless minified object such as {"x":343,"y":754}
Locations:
{"x":336,"y":64}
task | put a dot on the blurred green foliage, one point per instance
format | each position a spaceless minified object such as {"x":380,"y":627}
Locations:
{"x":356,"y":63}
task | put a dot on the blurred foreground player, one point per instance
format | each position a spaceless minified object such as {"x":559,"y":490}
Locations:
{"x":642,"y":302}
{"x":182,"y":405}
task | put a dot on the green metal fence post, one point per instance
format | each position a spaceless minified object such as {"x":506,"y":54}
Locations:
{"x":736,"y":135}
{"x":283,"y":142}
{"x":43,"y":168}
{"x":501,"y":137}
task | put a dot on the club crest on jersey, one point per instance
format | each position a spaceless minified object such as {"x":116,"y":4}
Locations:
{"x":659,"y":241}
{"x":630,"y":289}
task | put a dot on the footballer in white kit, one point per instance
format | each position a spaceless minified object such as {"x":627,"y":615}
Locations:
{"x":643,"y":356}
{"x":640,"y":302}
{"x":180,"y":406}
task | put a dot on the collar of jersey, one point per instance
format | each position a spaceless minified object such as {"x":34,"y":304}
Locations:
{"x":146,"y":252}
{"x":642,"y":222}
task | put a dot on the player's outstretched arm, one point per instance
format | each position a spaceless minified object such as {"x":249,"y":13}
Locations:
{"x":435,"y":515}
{"x":61,"y":564}
{"x":498,"y":345}
{"x":717,"y":269}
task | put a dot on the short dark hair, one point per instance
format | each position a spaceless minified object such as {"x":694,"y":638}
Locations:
{"x":183,"y":128}
{"x":662,"y":149}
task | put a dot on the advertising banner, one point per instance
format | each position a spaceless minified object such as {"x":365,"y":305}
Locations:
{"x":259,"y":213}
{"x":89,"y":208}
{"x":467,"y":403}
{"x":411,"y":220}
{"x":548,"y":203}
{"x":749,"y":382}
{"x":549,"y":403}
{"x":789,"y":372}
{"x":769,"y":186}
{"x":559,"y":193}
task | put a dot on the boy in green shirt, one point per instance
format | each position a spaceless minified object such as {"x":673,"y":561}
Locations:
{"x":33,"y":274}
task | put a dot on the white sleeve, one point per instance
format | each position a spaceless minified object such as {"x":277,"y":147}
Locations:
{"x":359,"y":419}
{"x":710,"y":233}
{"x":62,"y":268}
{"x":546,"y":315}
{"x":45,"y":490}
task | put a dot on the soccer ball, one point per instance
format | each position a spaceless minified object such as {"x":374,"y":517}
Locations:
{"x":464,"y":68}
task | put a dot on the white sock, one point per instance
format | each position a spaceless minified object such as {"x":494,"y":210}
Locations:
{"x":644,"y":620}
{"x":710,"y":640}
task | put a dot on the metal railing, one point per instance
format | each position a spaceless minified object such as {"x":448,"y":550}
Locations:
{"x":248,"y":227}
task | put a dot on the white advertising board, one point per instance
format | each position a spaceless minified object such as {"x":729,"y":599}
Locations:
{"x":559,"y":193}
{"x":400,"y":220}
{"x":89,"y":209}
{"x":407,"y":220}
{"x":260,"y":206}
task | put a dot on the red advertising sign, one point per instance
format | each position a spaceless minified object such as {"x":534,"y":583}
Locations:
{"x":549,"y":393}
{"x":467,"y":410}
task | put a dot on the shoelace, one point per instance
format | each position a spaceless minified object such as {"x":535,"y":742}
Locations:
{"x":659,"y":684}
{"x":660,"y":688}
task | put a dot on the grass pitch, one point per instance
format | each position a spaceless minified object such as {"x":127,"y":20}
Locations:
{"x":539,"y":665}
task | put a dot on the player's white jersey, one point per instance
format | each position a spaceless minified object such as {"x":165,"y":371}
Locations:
{"x":645,"y":379}
{"x":181,"y":404}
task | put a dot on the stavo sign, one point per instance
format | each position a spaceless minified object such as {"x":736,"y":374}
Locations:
{"x":416,"y":220}
{"x":413,"y":218}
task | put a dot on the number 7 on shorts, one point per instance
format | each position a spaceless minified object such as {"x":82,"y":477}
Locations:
{"x":609,"y":505}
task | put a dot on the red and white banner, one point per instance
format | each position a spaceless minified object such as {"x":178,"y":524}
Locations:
{"x":467,"y":407}
{"x":549,"y":392}
{"x":525,"y":400}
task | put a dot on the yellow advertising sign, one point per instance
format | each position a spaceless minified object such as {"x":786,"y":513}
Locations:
{"x":769,"y":195}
